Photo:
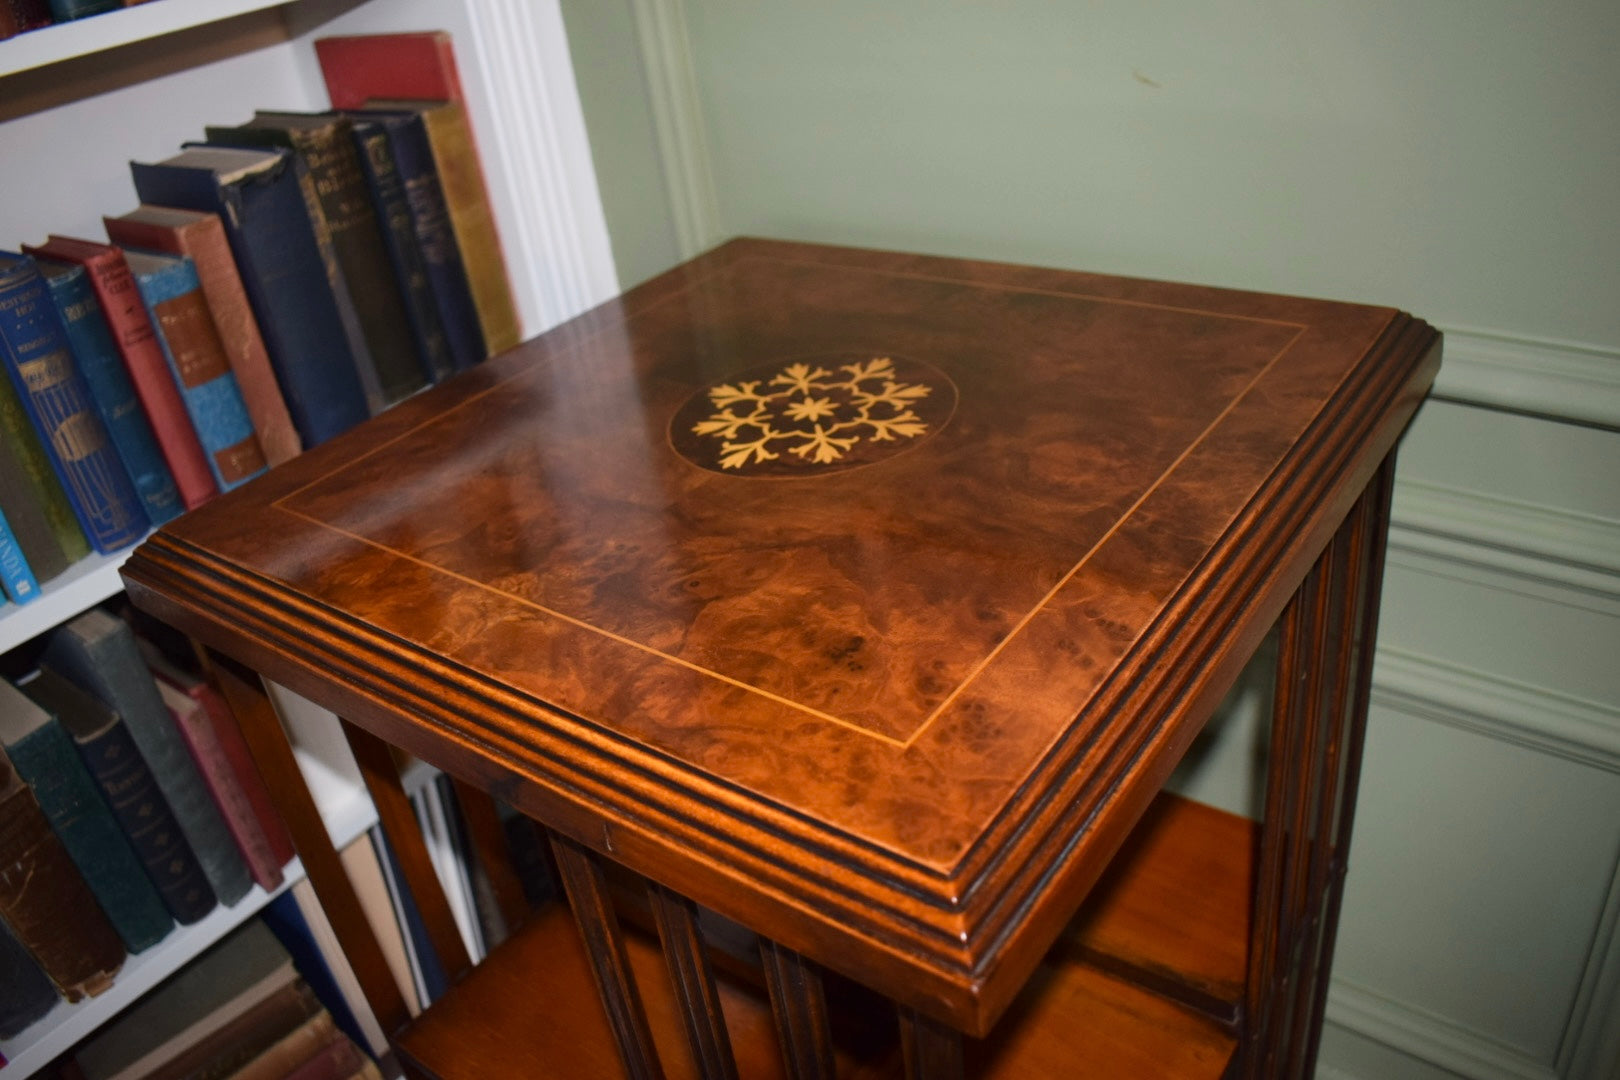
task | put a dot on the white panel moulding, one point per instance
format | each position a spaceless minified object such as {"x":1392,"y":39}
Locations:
{"x":1428,"y":1038}
{"x":1562,"y":380}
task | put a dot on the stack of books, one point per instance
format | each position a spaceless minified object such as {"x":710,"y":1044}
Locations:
{"x":280,"y":280}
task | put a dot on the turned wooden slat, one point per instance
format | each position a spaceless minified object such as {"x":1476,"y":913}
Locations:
{"x":931,"y":1050}
{"x":800,"y":1007}
{"x":693,"y":982}
{"x":1368,"y":580}
{"x":404,"y":834}
{"x":273,"y":755}
{"x":598,"y":925}
{"x":488,"y":839}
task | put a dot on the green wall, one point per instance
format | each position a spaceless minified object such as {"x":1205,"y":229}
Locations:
{"x":1459,"y":159}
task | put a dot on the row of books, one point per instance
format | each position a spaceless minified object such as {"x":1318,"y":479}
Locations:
{"x":129,"y":804}
{"x":278,"y":283}
{"x":20,"y":16}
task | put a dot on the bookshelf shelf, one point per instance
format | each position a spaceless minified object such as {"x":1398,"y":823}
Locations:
{"x":82,"y":37}
{"x":86,"y":582}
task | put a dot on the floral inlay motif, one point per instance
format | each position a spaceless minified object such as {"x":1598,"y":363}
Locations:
{"x":816,"y":413}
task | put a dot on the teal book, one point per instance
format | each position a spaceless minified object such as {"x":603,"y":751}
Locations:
{"x":16,"y":579}
{"x":201,"y":368}
{"x":43,"y":755}
{"x":34,"y":350}
{"x":102,"y":365}
{"x":98,"y":653}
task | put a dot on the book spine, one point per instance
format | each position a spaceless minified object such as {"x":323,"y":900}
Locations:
{"x":16,"y":579}
{"x":17,"y":16}
{"x":143,"y":359}
{"x":137,"y":803}
{"x":441,"y":257}
{"x":205,"y":242}
{"x":57,"y":401}
{"x":25,"y":993}
{"x":93,"y":347}
{"x":99,"y":653}
{"x":198,"y":730}
{"x":196,"y":359}
{"x":337,"y":1060}
{"x":45,"y":901}
{"x":281,"y":270}
{"x":68,"y":10}
{"x":293,"y":1049}
{"x":404,"y":253}
{"x":361,"y":259}
{"x":39,"y":513}
{"x":248,"y":780}
{"x":473,"y":222}
{"x":48,"y":763}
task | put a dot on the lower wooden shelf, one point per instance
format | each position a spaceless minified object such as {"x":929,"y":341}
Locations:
{"x":1145,"y":984}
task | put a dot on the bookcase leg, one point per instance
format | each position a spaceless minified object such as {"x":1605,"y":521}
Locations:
{"x":587,"y":891}
{"x":932,"y":1051}
{"x":1324,"y":670}
{"x":705,"y":1024}
{"x":800,"y":1007}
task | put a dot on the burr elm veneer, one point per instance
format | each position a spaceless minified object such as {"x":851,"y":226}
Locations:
{"x":867,"y":600}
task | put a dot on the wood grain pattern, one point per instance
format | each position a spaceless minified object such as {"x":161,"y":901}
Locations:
{"x":897,"y":717}
{"x":693,"y":982}
{"x":799,"y":1004}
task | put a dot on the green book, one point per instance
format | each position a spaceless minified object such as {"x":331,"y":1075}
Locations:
{"x":43,"y":755}
{"x":35,"y":505}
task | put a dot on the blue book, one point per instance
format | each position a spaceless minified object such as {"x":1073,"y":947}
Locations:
{"x":287,"y":923}
{"x":259,"y":195}
{"x":197,"y":359}
{"x":102,"y":366}
{"x":16,"y":578}
{"x":40,"y":366}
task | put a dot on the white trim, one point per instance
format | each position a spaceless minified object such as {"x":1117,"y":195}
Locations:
{"x":533,"y":140}
{"x":1541,"y":543}
{"x":1564,"y":380}
{"x":1591,"y":1041}
{"x":1530,"y":716}
{"x":666,"y":57}
{"x":1427,"y":1037}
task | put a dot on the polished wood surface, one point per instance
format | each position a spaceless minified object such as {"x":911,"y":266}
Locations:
{"x":898,"y":711}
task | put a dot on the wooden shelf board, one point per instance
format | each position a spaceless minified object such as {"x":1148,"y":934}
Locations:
{"x":97,"y":33}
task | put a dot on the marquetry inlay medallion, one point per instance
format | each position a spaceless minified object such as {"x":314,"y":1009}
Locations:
{"x":813,"y":416}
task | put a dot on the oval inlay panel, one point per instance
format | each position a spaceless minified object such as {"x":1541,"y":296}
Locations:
{"x":812,"y":416}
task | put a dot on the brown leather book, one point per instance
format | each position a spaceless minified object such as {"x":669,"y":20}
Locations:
{"x":44,"y":900}
{"x":293,"y":1049}
{"x":471,"y":217}
{"x":244,"y":1037}
{"x":202,"y":237}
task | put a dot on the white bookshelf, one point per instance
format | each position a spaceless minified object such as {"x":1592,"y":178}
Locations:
{"x":82,"y":585}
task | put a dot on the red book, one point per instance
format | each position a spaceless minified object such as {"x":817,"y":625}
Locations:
{"x":211,"y":734}
{"x":143,"y":356}
{"x":388,"y":66}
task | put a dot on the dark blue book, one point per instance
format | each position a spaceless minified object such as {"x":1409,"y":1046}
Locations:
{"x":16,"y":579}
{"x":286,"y":921}
{"x":259,"y":196}
{"x":43,"y":755}
{"x":35,"y":351}
{"x":26,"y":994}
{"x":198,"y":362}
{"x":432,"y":981}
{"x":102,"y":366}
{"x":430,"y":217}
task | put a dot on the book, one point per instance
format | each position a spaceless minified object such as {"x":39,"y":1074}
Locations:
{"x":202,"y":732}
{"x":45,"y":901}
{"x":234,"y":976}
{"x":116,"y":765}
{"x":405,"y":65}
{"x":19,"y":16}
{"x":243,"y":1037}
{"x":361,"y":268}
{"x":197,"y":361}
{"x":98,"y":653}
{"x":201,"y":237}
{"x":25,"y":992}
{"x":472,"y":218}
{"x":284,"y":1057}
{"x":91,"y":341}
{"x":436,"y":241}
{"x":34,"y":349}
{"x":259,"y":195}
{"x":16,"y":578}
{"x":426,"y":970}
{"x":68,"y":10}
{"x":339,"y":1059}
{"x":42,"y":753}
{"x":35,"y":505}
{"x":301,"y":925}
{"x":137,"y":341}
{"x":365,"y":872}
{"x":392,"y":201}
